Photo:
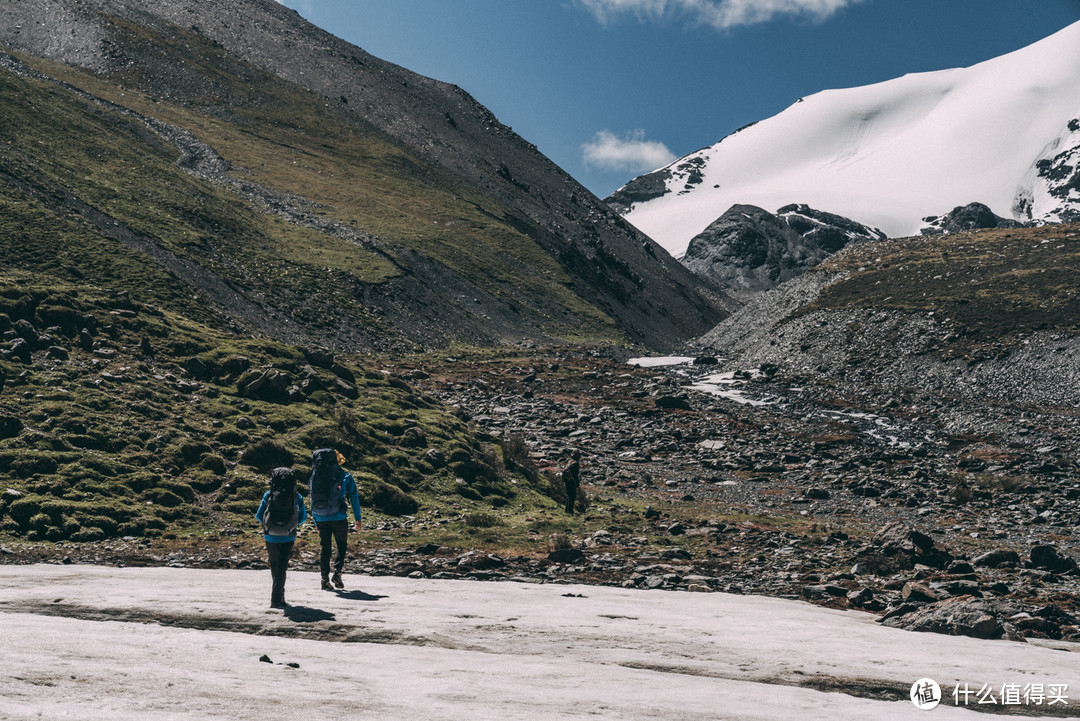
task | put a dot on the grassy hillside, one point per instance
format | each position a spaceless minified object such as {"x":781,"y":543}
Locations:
{"x":408,"y":234}
{"x":119,"y":418}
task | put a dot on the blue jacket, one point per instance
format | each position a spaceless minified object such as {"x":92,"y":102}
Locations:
{"x":301,"y":515}
{"x":348,"y":491}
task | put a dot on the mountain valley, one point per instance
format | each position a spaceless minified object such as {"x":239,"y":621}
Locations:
{"x":229,"y":238}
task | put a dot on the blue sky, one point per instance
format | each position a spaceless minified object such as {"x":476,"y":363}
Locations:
{"x":609,"y":89}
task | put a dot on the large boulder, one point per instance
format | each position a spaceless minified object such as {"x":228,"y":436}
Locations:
{"x":270,"y":385}
{"x":750,"y":249}
{"x":21,"y":349}
{"x":959,"y":616}
{"x":898,"y":547}
{"x":996,"y":558}
{"x":1051,"y":559}
{"x":973,"y":216}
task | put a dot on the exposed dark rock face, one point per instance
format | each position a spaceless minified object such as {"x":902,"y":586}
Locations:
{"x":897,"y":546}
{"x":973,"y":216}
{"x":650,"y":297}
{"x":681,"y":178}
{"x":1052,"y":559}
{"x":751,"y":249}
{"x":1057,"y":177}
{"x":639,"y":190}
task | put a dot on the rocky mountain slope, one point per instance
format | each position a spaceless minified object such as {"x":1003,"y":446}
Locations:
{"x":984,"y":318}
{"x":302,"y":188}
{"x":1004,"y":133}
{"x":751,"y":249}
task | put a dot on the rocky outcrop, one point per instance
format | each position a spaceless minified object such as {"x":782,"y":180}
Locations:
{"x":639,"y":190}
{"x":960,"y":616}
{"x":973,"y":216}
{"x":681,"y":177}
{"x":1054,"y":193}
{"x":900,"y":547}
{"x":751,"y":249}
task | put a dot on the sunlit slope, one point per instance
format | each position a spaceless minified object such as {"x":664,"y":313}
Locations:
{"x":358,"y":230}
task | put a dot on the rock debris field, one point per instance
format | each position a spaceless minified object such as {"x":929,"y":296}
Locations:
{"x":895,"y":505}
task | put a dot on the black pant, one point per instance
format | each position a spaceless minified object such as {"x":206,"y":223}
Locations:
{"x":336,"y":531}
{"x":278,"y":555}
{"x":571,"y":496}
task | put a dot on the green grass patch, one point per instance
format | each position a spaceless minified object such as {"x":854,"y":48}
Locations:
{"x":125,"y":443}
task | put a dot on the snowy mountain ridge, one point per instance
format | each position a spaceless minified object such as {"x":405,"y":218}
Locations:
{"x":1004,"y":132}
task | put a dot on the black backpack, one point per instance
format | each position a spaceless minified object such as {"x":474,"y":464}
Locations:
{"x":325,"y":483}
{"x":281,"y":516}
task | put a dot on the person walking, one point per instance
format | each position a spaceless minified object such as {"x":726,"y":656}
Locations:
{"x":331,"y":485}
{"x":280,"y":513}
{"x":571,"y":477}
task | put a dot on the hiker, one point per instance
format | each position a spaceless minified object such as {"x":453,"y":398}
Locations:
{"x":571,"y":477}
{"x":331,"y":485}
{"x":280,"y":513}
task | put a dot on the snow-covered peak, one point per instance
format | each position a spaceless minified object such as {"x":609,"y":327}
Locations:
{"x":888,"y":155}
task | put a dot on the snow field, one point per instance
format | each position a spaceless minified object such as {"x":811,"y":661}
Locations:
{"x":440,"y":649}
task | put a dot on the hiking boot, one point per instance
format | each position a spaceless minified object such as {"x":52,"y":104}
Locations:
{"x":326,"y":584}
{"x":337,"y":580}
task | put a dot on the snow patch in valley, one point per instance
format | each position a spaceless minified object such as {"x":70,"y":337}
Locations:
{"x":725,"y":385}
{"x":660,"y":361}
{"x":440,"y":649}
{"x":731,"y":386}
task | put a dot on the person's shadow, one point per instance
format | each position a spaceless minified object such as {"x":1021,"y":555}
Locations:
{"x":357,"y":596}
{"x":305,"y":614}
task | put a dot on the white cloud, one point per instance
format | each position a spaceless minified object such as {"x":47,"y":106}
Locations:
{"x":632,"y":152}
{"x":720,"y":14}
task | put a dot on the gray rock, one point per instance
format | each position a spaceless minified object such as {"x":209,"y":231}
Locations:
{"x":86,"y":340}
{"x":913,"y":591}
{"x":672,"y":403}
{"x":960,"y":567}
{"x":566,"y":555}
{"x":20,"y":348}
{"x":1051,"y":559}
{"x":1038,"y":627}
{"x":26,"y":331}
{"x":996,"y":558}
{"x":750,"y":249}
{"x":962,"y":587}
{"x":960,"y":616}
{"x":972,"y":216}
